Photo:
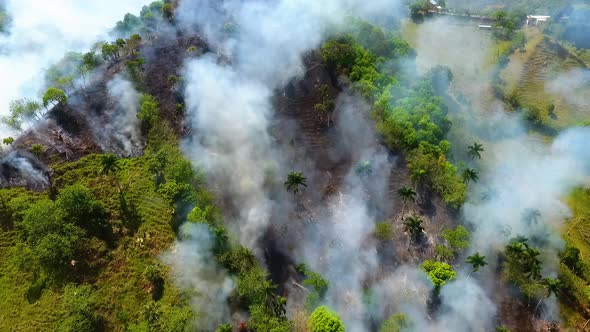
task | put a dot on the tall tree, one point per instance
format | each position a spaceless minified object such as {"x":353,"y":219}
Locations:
{"x":477,"y":261}
{"x":439,"y":273}
{"x":553,"y":286}
{"x":294,"y":181}
{"x":109,"y":163}
{"x":407,"y":194}
{"x":470,"y":175}
{"x":110,"y":167}
{"x":531,"y":264}
{"x":413,"y":226}
{"x":475,"y":150}
{"x":54,"y":96}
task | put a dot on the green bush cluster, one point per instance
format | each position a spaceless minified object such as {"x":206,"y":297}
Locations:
{"x":145,"y":23}
{"x":396,"y":323}
{"x":523,"y":267}
{"x":410,"y":119}
{"x":325,"y":320}
{"x":318,"y":284}
{"x":506,"y":24}
{"x":439,"y":273}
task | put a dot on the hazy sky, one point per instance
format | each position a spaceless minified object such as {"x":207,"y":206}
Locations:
{"x":40,"y":34}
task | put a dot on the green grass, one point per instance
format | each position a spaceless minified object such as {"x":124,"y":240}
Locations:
{"x":121,"y":289}
{"x":577,"y":233}
{"x":545,"y":62}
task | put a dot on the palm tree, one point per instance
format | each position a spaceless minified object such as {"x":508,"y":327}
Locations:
{"x":407,"y":194}
{"x":553,"y":286}
{"x":413,"y":225}
{"x":109,"y":167}
{"x":530,"y":264}
{"x":109,"y":163}
{"x":477,"y":261}
{"x":364,"y":169}
{"x":220,"y":239}
{"x":475,"y":150}
{"x":470,"y":175}
{"x":515,"y":249}
{"x":520,"y":239}
{"x":294,"y":181}
{"x":531,"y":216}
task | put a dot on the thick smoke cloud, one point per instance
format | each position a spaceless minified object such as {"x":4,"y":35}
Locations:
{"x":526,"y":174}
{"x":121,"y":125}
{"x":340,"y":244}
{"x":230,"y":111}
{"x":261,"y":46}
{"x":42,"y":31}
{"x":194,"y":269}
{"x":230,"y":107}
{"x":232,"y":143}
{"x":573,"y":86}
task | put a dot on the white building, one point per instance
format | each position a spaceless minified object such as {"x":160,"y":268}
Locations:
{"x":536,"y":19}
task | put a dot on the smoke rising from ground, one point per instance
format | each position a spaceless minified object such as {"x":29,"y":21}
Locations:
{"x":193,"y":268}
{"x":340,"y":244}
{"x":573,"y":86}
{"x":122,"y":125}
{"x":42,"y":31}
{"x":23,"y":162}
{"x":230,"y":107}
{"x":230,"y":111}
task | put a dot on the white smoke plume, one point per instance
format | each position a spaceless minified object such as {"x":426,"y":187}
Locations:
{"x":194,"y":270}
{"x":573,"y":87}
{"x":230,"y":111}
{"x":28,"y":172}
{"x":122,"y":124}
{"x":230,"y":107}
{"x":41,"y":32}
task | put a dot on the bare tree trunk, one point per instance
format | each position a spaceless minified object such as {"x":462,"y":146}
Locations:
{"x":541,"y":300}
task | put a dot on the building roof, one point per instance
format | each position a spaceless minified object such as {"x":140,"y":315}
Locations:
{"x":433,"y":2}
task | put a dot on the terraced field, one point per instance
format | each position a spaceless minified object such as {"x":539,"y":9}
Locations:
{"x":546,"y":79}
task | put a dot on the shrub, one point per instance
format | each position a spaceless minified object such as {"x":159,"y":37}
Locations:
{"x":153,"y":274}
{"x":570,"y":256}
{"x":83,"y":210}
{"x":443,"y":253}
{"x":325,"y":320}
{"x":439,"y":273}
{"x":150,"y":111}
{"x":319,"y":284}
{"x":533,"y":114}
{"x":224,"y":328}
{"x":262,"y":320}
{"x":383,"y":231}
{"x":53,"y":239}
{"x":54,"y":96}
{"x":37,"y":149}
{"x":396,"y":323}
{"x":79,"y":304}
{"x":458,"y":239}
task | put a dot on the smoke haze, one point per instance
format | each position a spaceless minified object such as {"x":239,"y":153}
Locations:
{"x":41,"y":32}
